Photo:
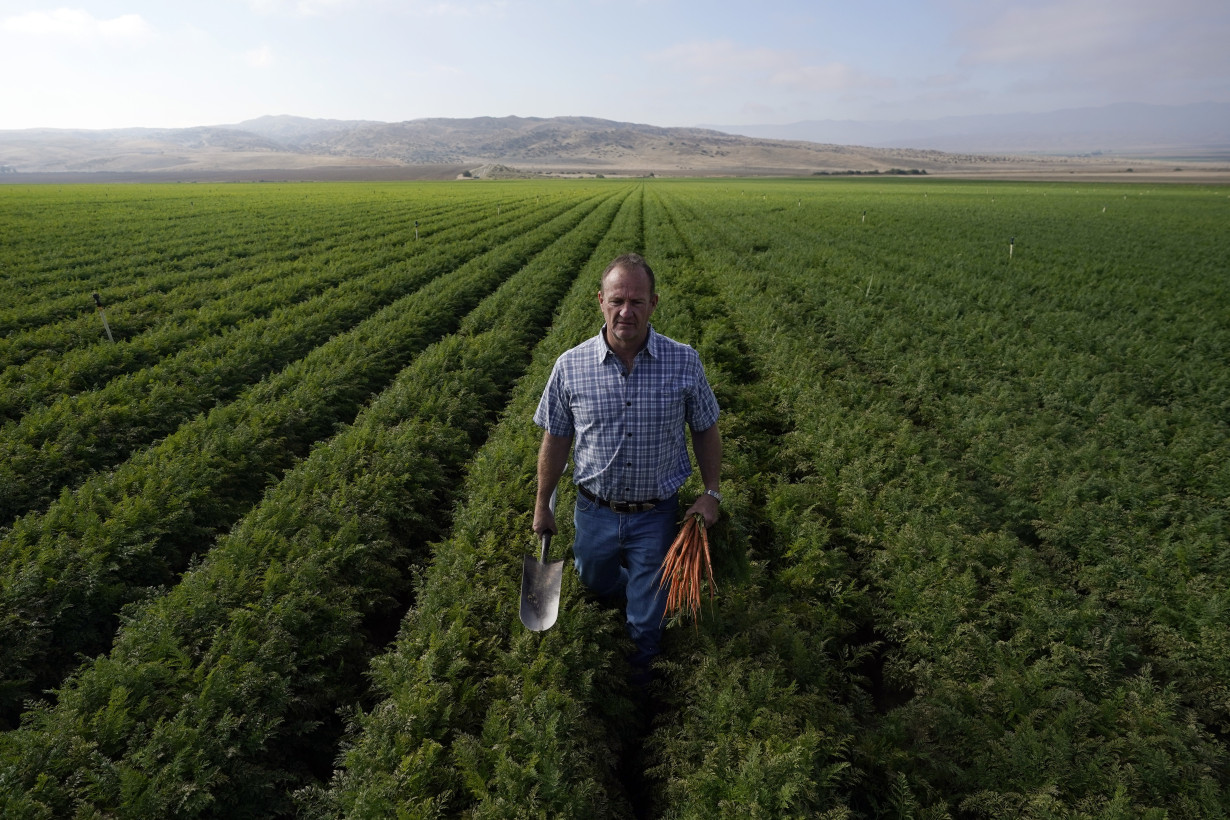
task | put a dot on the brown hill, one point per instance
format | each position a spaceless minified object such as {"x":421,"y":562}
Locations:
{"x":293,"y":147}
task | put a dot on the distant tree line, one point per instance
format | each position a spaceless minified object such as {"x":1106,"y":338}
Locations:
{"x":901,"y":172}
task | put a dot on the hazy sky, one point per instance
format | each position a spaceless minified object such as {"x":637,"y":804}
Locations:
{"x":178,"y":63}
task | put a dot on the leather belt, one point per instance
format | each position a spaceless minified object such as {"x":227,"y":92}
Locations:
{"x":620,"y":506}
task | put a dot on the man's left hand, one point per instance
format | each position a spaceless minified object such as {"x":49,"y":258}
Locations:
{"x":707,"y":506}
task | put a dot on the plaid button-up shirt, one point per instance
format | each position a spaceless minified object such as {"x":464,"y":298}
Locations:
{"x":629,"y":439}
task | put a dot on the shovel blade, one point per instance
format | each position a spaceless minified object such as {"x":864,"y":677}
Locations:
{"x":540,"y":589}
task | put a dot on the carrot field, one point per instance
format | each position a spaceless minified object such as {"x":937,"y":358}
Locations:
{"x":261,"y":546}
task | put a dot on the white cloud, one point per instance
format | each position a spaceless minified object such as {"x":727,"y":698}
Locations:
{"x":298,"y":8}
{"x":259,"y":57}
{"x":485,"y":8}
{"x":416,"y":8}
{"x":721,"y":57}
{"x":724,"y":62}
{"x":1070,"y":29}
{"x":824,"y":78}
{"x":1106,"y":36}
{"x":755,"y":111}
{"x":77,"y":25}
{"x":1058,"y":53}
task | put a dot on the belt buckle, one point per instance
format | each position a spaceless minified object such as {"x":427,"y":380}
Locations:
{"x":631,"y":506}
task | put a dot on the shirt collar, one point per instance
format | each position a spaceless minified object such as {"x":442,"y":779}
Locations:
{"x":653,"y":345}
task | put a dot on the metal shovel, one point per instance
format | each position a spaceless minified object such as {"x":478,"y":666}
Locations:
{"x":540,"y":586}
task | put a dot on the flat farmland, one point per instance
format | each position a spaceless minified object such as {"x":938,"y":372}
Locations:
{"x":263,"y":503}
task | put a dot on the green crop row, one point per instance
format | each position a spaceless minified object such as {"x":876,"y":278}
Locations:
{"x":356,"y":252}
{"x":1020,"y":686}
{"x":68,"y":572}
{"x":760,"y":704}
{"x":59,"y":314}
{"x":58,"y":445}
{"x":237,"y":672}
{"x":120,"y":238}
{"x":134,"y":273}
{"x":51,"y":327}
{"x":50,"y":374}
{"x":473,"y":714}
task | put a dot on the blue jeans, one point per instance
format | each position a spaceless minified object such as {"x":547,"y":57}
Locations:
{"x":621,"y":554}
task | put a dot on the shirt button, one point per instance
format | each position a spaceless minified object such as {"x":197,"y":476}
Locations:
{"x":629,"y":435}
{"x":628,"y":403}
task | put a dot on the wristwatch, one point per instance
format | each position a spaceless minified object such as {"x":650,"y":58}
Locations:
{"x":715,"y":494}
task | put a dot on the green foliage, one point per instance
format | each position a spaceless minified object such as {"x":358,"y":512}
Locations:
{"x":69,"y":571}
{"x":477,"y":715}
{"x":971,"y":564}
{"x":42,"y":364}
{"x":50,"y":445}
{"x":234,"y":676}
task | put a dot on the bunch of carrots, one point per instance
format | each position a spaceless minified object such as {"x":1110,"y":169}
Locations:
{"x":681,"y":569}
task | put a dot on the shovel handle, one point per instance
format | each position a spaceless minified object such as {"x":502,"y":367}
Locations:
{"x":546,"y":536}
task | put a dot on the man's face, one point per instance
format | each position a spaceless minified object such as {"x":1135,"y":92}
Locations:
{"x":626,"y":305}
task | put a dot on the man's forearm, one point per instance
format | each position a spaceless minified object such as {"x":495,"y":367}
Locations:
{"x":552,"y":458}
{"x":707,"y":445}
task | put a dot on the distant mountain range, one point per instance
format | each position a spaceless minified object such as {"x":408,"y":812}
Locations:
{"x":298,"y":147}
{"x":1201,"y":129}
{"x":448,"y":147}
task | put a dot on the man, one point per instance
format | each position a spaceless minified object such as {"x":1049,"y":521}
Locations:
{"x":623,"y":397}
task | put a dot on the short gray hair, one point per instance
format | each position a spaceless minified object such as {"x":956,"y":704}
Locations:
{"x":632,"y":261}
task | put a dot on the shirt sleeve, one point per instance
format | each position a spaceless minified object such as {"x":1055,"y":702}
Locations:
{"x":554,"y":413}
{"x":702,"y":410}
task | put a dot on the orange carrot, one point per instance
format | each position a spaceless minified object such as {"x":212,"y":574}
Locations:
{"x":682,"y":569}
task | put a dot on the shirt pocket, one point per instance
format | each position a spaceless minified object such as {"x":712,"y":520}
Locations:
{"x":662,"y":408}
{"x":597,"y":407}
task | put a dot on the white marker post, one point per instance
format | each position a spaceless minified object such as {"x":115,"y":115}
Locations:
{"x":103,"y":314}
{"x":416,"y":230}
{"x":1011,"y":242}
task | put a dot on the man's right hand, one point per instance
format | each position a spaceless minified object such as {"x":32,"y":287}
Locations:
{"x":544,"y":522}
